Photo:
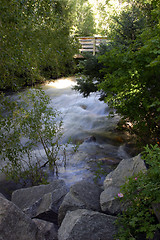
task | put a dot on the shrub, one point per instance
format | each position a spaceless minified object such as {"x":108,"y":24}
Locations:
{"x":140,"y":192}
{"x":27,"y":124}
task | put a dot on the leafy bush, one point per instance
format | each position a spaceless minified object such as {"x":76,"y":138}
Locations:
{"x":83,"y":18}
{"x":27,"y":124}
{"x":141,"y":192}
{"x":131,"y":84}
{"x":85,"y":85}
{"x":90,"y":74}
{"x":127,"y":25}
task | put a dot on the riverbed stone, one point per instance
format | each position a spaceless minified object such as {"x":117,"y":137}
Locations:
{"x":90,"y":139}
{"x":15,"y":225}
{"x":48,"y":229}
{"x":41,"y":201}
{"x":86,"y":224}
{"x":82,"y":195}
{"x":114,"y":180}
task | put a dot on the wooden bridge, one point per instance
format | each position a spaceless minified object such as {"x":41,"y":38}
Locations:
{"x":90,"y":44}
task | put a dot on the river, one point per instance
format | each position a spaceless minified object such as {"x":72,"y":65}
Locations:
{"x":100,"y":148}
{"x":85,"y":122}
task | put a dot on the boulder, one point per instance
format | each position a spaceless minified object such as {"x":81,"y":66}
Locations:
{"x":15,"y":225}
{"x":41,"y":201}
{"x":1,"y":195}
{"x":7,"y":187}
{"x":90,"y":139}
{"x":82,"y":195}
{"x":84,"y":224}
{"x":48,"y":229}
{"x":110,"y":204}
{"x":114,"y":180}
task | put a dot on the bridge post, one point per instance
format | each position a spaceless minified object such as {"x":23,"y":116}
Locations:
{"x":94,"y":46}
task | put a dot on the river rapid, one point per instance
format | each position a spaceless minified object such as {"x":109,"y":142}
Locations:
{"x":95,"y":148}
{"x":85,"y":122}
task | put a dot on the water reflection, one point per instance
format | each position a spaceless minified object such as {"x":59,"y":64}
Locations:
{"x":62,"y":83}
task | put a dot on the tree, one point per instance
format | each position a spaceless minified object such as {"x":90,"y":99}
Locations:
{"x":132,"y":79}
{"x":83,"y":19}
{"x":103,"y":11}
{"x":130,"y":70}
{"x":35,"y":39}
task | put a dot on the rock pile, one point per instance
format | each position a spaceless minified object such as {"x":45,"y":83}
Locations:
{"x":52,"y":212}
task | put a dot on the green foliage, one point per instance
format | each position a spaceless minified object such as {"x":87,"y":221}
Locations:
{"x":35,"y":41}
{"x":132,"y":82}
{"x":76,"y":147}
{"x":140,"y":192}
{"x":99,"y":172}
{"x":90,"y":65}
{"x":27,"y":124}
{"x":83,"y":19}
{"x":85,"y":85}
{"x":129,"y":70}
{"x":103,"y":10}
{"x":127,"y":25}
{"x":89,"y":75}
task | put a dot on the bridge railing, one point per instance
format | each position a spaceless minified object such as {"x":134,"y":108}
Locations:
{"x":91,"y":44}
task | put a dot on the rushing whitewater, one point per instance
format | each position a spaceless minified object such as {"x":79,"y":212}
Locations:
{"x":84,"y":122}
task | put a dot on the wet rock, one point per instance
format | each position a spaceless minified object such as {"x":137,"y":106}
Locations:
{"x":115,"y":179}
{"x":84,"y":224}
{"x":126,"y":168}
{"x":83,"y":106}
{"x":48,"y":229}
{"x":41,"y":201}
{"x":15,"y":225}
{"x":82,"y":195}
{"x":109,"y":203}
{"x":7,"y":187}
{"x":108,"y":160}
{"x":90,"y":139}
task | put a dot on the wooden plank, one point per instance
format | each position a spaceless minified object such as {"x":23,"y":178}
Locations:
{"x":94,"y":47}
{"x":91,"y":44}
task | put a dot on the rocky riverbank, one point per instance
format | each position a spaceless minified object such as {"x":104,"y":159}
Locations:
{"x":86,"y":211}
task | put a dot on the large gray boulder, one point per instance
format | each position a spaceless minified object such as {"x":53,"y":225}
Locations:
{"x":114,"y":180}
{"x":41,"y":201}
{"x":15,"y":225}
{"x":1,"y":195}
{"x":84,"y":224}
{"x":48,"y":229}
{"x":82,"y":195}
